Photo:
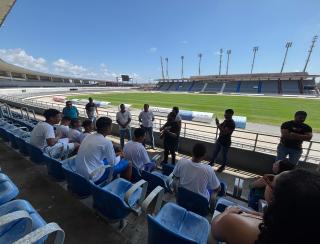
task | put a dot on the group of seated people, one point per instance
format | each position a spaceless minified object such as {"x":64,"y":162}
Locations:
{"x":293,"y":195}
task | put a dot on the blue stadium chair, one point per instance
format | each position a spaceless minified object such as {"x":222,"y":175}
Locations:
{"x":224,"y":188}
{"x":54,"y":167}
{"x":192,"y":201}
{"x":167,"y":169}
{"x":223,"y":203}
{"x":136,"y":175}
{"x":12,"y":138}
{"x":155,"y":179}
{"x":22,"y":144}
{"x":36,"y":155}
{"x":77,"y":184}
{"x":14,"y":230}
{"x":8,"y":190}
{"x":119,"y":198}
{"x":174,"y":224}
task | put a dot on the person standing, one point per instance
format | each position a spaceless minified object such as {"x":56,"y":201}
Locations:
{"x":70,"y":111}
{"x":223,"y":143}
{"x":92,"y":110}
{"x":178,"y":120}
{"x":146,"y":119}
{"x":293,"y":134}
{"x":170,"y":132}
{"x":123,"y":119}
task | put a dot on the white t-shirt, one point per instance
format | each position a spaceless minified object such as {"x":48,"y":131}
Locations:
{"x":62,"y":131}
{"x":83,"y":135}
{"x":146,"y":118}
{"x":136,"y":153}
{"x":40,"y":133}
{"x":123,"y":118}
{"x":93,"y":150}
{"x":196,"y":177}
{"x":74,"y":135}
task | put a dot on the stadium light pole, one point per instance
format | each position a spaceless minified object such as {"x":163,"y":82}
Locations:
{"x":167,"y":71}
{"x":220,"y":62}
{"x":200,"y":57}
{"x":288,"y":45}
{"x":228,"y":58}
{"x":162,"y":68}
{"x":310,"y":51}
{"x":182,"y":58}
{"x":255,"y":49}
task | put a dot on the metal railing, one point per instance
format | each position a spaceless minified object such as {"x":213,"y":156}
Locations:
{"x":247,"y":140}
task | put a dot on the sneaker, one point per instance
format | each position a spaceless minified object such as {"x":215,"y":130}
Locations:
{"x":221,"y":168}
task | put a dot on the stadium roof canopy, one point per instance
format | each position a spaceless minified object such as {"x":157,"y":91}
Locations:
{"x":5,"y":7}
{"x":248,"y":77}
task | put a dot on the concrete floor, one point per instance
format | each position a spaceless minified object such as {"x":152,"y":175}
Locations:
{"x":55,"y":204}
{"x":79,"y":221}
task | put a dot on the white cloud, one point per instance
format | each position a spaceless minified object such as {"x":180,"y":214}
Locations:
{"x":217,"y":53}
{"x":20,"y":57}
{"x":184,"y":42}
{"x":61,"y":66}
{"x":65,"y":67}
{"x":153,"y":49}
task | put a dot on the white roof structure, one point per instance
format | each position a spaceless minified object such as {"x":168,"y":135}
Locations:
{"x":5,"y":7}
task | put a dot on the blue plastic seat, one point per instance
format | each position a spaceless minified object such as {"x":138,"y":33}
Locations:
{"x":109,"y":200}
{"x":77,"y":184}
{"x":155,"y":179}
{"x":136,"y":175}
{"x":192,"y":201}
{"x":22,"y":144}
{"x":174,"y":224}
{"x":54,"y":167}
{"x":15,"y":229}
{"x":167,"y":169}
{"x":8,"y":190}
{"x":36,"y":155}
{"x":223,"y":189}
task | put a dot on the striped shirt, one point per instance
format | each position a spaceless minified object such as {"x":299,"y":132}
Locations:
{"x":196,"y":177}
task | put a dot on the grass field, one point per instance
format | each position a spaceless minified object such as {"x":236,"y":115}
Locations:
{"x":263,"y":110}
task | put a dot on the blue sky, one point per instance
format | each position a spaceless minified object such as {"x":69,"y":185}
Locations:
{"x":106,"y":38}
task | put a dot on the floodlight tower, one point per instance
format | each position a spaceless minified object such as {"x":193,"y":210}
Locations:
{"x":182,"y":58}
{"x":167,"y":71}
{"x":220,"y":62}
{"x":228,"y":58}
{"x":310,"y":51}
{"x":288,"y":45}
{"x":200,"y":57}
{"x":255,"y":49}
{"x":162,"y":67}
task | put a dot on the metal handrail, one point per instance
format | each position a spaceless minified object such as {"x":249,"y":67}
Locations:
{"x":252,"y":140}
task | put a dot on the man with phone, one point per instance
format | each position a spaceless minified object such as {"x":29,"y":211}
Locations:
{"x":223,"y":142}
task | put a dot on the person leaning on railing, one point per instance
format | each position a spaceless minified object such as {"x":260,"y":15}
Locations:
{"x":293,"y":134}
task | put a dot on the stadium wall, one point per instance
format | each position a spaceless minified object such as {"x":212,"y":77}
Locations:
{"x":254,"y":162}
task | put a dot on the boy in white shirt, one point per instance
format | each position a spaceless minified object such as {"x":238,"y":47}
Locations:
{"x":75,"y":131}
{"x":43,"y":137}
{"x":123,"y":119}
{"x":62,"y":130}
{"x":135,"y":152}
{"x":88,"y":127}
{"x":195,"y":176}
{"x":95,"y":150}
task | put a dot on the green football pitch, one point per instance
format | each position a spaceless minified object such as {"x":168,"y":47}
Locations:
{"x":262,"y":110}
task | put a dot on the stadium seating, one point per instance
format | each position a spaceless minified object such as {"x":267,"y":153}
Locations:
{"x":118,"y":198}
{"x":155,"y":179}
{"x":290,"y":87}
{"x":36,"y":155}
{"x":54,"y":168}
{"x":14,"y":230}
{"x":77,"y":184}
{"x":8,"y":190}
{"x":174,"y":224}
